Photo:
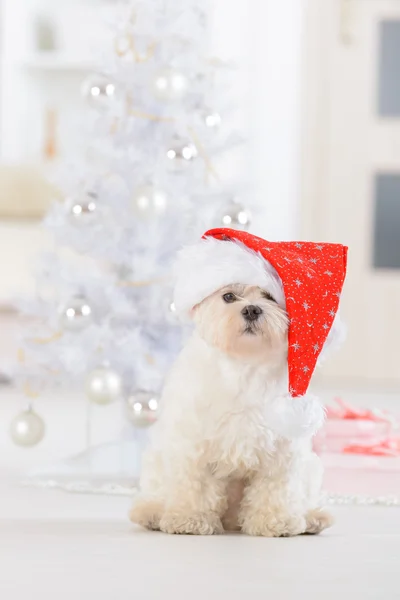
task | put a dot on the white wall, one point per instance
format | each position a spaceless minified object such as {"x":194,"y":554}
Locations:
{"x":266,"y":38}
{"x":34,"y":82}
{"x":20,"y":245}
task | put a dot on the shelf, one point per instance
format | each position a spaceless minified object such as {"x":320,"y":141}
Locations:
{"x":54,"y":61}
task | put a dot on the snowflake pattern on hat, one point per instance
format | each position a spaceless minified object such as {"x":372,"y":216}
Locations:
{"x":312,"y":276}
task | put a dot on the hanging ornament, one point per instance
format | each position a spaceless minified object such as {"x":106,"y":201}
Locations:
{"x":170,"y":85}
{"x":99,"y":91}
{"x":170,"y":310}
{"x":212,"y":120}
{"x":181,"y":152}
{"x":27,"y":428}
{"x":76,"y":314}
{"x":103,"y":386}
{"x":149,"y":201}
{"x":236,"y":216}
{"x":83,"y":209}
{"x":142,"y":408}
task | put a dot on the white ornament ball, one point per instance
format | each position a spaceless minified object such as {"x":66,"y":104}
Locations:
{"x":83,"y":208}
{"x":142,"y":408}
{"x":149,"y":201}
{"x":212,"y":120}
{"x":76,"y":314}
{"x":171,"y":313}
{"x":236,"y":216}
{"x":181,"y":152}
{"x":27,"y":428}
{"x":103,"y":386}
{"x":99,"y":91}
{"x":170,"y":85}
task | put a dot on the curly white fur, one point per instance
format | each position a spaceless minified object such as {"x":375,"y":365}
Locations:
{"x":214,"y":460}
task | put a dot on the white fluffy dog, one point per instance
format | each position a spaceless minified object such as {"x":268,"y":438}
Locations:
{"x":214,"y":462}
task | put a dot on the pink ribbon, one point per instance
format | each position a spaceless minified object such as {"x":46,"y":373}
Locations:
{"x":388,"y":447}
{"x":345,"y":411}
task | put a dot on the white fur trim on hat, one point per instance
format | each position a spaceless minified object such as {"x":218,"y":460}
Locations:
{"x":210,"y":264}
{"x":295,"y":417}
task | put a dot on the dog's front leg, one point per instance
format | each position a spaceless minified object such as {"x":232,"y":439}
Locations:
{"x":196,"y":501}
{"x":283,"y":497}
{"x":270,"y":508}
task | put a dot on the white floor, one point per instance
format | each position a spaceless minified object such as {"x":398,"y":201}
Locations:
{"x":55,"y":546}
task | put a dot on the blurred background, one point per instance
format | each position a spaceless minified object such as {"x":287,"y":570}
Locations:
{"x":317,"y":91}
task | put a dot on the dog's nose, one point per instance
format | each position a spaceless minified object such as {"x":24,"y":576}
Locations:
{"x":251,"y":312}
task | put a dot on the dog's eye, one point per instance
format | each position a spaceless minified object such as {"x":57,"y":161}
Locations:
{"x":229,"y":297}
{"x":267,"y":296}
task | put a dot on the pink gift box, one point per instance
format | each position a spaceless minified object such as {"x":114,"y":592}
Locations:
{"x":339,"y":433}
{"x":373,"y":476}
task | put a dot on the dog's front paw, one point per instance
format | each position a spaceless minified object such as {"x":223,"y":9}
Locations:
{"x":318,"y":520}
{"x":146,"y":512}
{"x":274,"y":525}
{"x":191,"y":523}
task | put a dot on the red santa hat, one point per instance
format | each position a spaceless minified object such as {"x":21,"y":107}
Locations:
{"x":305,"y":278}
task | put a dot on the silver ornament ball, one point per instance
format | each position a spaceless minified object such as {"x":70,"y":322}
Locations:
{"x":236,"y":216}
{"x":76,"y":314}
{"x":170,"y":85}
{"x":83,"y":208}
{"x":99,"y":91}
{"x":149,"y":201}
{"x":103,"y":386}
{"x":27,"y":428}
{"x":181,"y":152}
{"x":142,"y":408}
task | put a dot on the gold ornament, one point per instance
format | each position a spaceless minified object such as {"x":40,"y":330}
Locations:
{"x":125,"y":47}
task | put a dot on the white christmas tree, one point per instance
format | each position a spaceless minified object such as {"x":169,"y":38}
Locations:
{"x":145,"y":182}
